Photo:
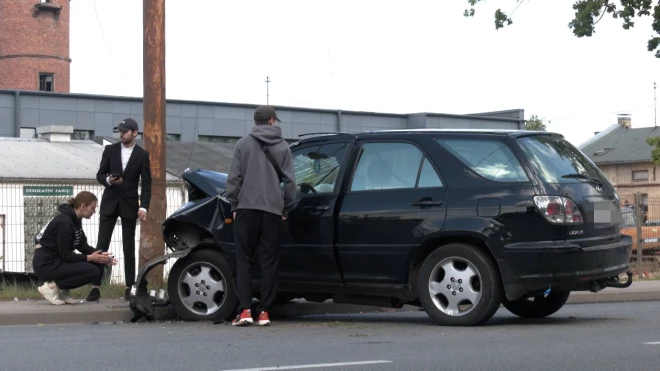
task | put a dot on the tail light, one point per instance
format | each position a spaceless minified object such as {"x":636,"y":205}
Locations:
{"x":558,"y":210}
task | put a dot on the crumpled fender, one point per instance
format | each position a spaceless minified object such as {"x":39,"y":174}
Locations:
{"x":196,"y":221}
{"x":142,"y":305}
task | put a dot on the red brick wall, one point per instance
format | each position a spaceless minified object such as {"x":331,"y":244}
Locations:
{"x":30,"y":45}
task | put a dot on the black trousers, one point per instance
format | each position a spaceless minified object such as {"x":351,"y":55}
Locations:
{"x":257,"y":235}
{"x":66,"y":275}
{"x":106,"y":227}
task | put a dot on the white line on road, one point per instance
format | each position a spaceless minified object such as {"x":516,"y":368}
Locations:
{"x":653,"y":343}
{"x":311,"y":366}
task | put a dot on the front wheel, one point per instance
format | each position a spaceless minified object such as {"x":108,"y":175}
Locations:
{"x":538,"y":306}
{"x":201,"y":287}
{"x":459,"y":285}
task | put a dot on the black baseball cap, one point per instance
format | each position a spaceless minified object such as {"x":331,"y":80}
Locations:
{"x":127,"y":125}
{"x":265,"y":113}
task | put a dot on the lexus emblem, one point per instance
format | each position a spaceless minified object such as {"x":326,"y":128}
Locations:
{"x":599,"y":188}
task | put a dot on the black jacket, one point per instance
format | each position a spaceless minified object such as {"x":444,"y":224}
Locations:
{"x":63,"y":234}
{"x":125,"y":195}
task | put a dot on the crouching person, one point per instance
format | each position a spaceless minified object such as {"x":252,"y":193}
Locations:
{"x":55,"y":261}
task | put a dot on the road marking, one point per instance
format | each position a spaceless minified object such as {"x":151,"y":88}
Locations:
{"x":653,"y":343}
{"x":318,"y":365}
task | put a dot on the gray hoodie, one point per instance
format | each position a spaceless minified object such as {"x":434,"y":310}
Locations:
{"x":252,"y":182}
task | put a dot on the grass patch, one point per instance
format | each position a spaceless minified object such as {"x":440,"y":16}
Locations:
{"x":29,"y":291}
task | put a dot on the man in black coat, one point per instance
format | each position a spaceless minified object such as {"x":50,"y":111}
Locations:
{"x":122,"y":166}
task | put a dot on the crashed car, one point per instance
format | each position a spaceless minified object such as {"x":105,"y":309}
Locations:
{"x":455,"y":221}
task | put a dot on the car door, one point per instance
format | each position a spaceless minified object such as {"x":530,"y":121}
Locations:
{"x":307,"y":236}
{"x":395,"y":197}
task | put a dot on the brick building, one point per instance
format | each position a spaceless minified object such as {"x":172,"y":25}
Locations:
{"x":623,"y":156}
{"x":34,"y":45}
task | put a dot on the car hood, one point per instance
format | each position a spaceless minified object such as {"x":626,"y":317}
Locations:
{"x":212,"y":183}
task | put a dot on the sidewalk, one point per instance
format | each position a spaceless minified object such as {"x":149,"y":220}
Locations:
{"x":35,"y":312}
{"x":638,"y":291}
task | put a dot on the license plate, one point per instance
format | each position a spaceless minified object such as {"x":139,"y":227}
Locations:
{"x":603,"y":213}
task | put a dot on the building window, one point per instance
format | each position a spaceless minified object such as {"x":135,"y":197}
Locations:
{"x":140,"y":136}
{"x":46,"y":82}
{"x":28,"y":133}
{"x":640,"y":175}
{"x":115,"y":134}
{"x":217,"y":139}
{"x":83,"y":135}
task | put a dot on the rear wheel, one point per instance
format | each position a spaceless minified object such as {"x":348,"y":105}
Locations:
{"x":201,"y":287}
{"x":459,"y":285}
{"x":538,"y":306}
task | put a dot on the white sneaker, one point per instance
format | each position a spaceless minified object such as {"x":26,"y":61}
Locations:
{"x":42,"y":288}
{"x":64,"y":295}
{"x":52,"y":295}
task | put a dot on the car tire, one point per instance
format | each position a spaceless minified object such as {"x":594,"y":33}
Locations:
{"x":538,"y":306}
{"x":202,"y":272}
{"x":459,"y":275}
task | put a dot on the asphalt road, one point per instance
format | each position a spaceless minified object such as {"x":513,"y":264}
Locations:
{"x":611,"y":336}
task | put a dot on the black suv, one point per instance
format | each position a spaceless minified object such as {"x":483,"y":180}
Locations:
{"x":455,"y":221}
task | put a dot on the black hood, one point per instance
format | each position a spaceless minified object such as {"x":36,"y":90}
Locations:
{"x":68,"y":210}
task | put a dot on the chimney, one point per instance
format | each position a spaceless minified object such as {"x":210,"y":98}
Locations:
{"x":55,"y":133}
{"x":625,"y":121}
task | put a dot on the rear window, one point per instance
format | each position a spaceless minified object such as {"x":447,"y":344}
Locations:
{"x":554,"y":158}
{"x":490,"y":159}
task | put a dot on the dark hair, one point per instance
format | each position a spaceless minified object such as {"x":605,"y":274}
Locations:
{"x":261,"y":122}
{"x":82,"y":198}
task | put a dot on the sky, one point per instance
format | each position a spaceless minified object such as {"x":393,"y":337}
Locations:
{"x":377,"y":56}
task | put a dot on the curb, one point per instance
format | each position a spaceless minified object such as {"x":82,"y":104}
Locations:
{"x":91,"y":316}
{"x":611,"y":297}
{"x":94,"y":314}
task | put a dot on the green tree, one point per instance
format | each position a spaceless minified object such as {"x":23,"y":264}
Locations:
{"x":535,"y":123}
{"x":655,"y":154}
{"x":589,"y":12}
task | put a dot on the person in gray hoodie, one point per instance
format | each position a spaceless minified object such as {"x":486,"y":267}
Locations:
{"x":262,"y":162}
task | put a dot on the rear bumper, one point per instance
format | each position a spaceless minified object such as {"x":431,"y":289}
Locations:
{"x":562,"y":265}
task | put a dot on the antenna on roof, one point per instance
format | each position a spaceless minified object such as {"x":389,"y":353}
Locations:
{"x":267,"y":93}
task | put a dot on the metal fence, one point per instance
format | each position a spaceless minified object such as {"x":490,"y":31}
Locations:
{"x":641,"y":221}
{"x":26,"y":207}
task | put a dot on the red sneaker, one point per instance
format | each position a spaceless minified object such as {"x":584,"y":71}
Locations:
{"x":263,"y":319}
{"x":245,"y":318}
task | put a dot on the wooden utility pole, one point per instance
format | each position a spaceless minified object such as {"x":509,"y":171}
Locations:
{"x":151,"y":239}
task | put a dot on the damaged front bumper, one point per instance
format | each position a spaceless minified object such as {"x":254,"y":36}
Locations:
{"x":142,"y":304}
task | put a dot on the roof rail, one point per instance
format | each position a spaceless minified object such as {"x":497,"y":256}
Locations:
{"x":322,"y":133}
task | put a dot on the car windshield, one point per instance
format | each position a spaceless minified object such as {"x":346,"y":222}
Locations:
{"x":558,"y":161}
